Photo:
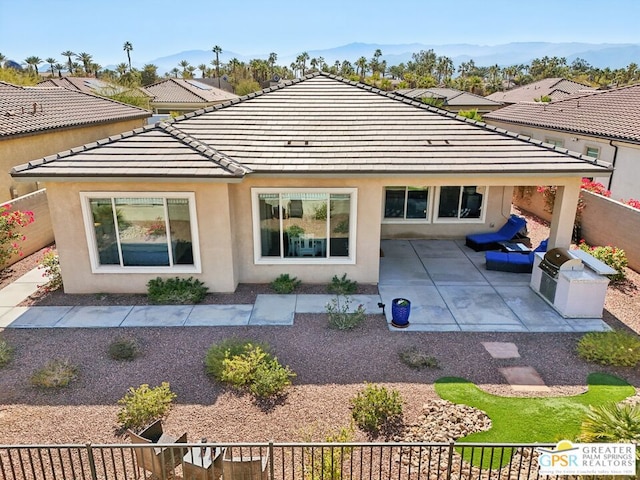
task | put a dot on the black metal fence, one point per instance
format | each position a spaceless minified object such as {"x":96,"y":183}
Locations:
{"x":271,"y":461}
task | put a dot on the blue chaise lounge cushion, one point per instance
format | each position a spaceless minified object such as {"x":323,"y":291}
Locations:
{"x":513,"y":261}
{"x":489,"y":241}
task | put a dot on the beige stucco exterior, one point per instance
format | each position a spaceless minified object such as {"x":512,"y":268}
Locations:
{"x":226,"y":230}
{"x":24,"y":148}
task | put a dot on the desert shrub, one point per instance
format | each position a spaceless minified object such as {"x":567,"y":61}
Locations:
{"x":51,"y":266}
{"x":285,"y":284}
{"x":417,"y":359}
{"x":55,"y":374}
{"x":340,"y":315}
{"x":328,"y":463}
{"x":375,"y":408}
{"x":6,"y":353}
{"x":614,"y":257}
{"x":248,"y":366}
{"x":176,"y":291}
{"x":143,"y":405}
{"x":342,"y":285}
{"x":124,"y":348}
{"x":615,"y":348}
{"x":613,"y":423}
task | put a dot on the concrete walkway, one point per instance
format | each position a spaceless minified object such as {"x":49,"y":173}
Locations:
{"x":447,"y":283}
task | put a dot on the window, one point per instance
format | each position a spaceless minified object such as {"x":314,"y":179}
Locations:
{"x":557,"y":142}
{"x":592,"y":152}
{"x":140,"y":231}
{"x":461,"y":202}
{"x":406,"y":203}
{"x":304,"y":225}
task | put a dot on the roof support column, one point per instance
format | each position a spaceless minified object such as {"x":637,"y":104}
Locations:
{"x":564,"y":214}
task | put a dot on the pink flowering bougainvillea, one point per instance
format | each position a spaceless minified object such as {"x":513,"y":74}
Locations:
{"x":11,"y":224}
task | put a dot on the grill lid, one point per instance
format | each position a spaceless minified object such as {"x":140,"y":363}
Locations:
{"x":558,"y":259}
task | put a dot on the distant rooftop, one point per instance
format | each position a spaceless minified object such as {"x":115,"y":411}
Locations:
{"x":25,"y":110}
{"x":605,"y":113}
{"x":555,"y":88}
{"x":180,"y":90}
{"x":450,"y":96}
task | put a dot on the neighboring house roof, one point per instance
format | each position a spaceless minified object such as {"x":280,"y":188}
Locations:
{"x":27,"y":110}
{"x":320,"y":124}
{"x":450,"y":96}
{"x":224,"y":84}
{"x":556,"y":88}
{"x":180,"y":90}
{"x":610,"y":114}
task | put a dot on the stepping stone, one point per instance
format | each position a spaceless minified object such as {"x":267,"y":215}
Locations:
{"x":501,"y":349}
{"x":524,"y":379}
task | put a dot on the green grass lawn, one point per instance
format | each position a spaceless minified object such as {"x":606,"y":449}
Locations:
{"x":537,"y":419}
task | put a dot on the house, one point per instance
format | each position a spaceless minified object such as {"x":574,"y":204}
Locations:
{"x":40,"y":121}
{"x":303,"y":178}
{"x":604,"y":125}
{"x":79,"y":84}
{"x":184,"y":95}
{"x":553,"y":88}
{"x":221,"y":83}
{"x":452,"y":99}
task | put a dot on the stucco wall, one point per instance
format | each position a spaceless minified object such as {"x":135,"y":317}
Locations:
{"x":19,"y":150}
{"x":39,"y":234}
{"x":226,"y":236}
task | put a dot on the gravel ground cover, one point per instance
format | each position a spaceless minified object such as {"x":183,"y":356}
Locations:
{"x":331,"y":368}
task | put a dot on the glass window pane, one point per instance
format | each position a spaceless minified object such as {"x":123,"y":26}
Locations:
{"x":471,"y":202}
{"x":449,"y":202}
{"x":180,"y":228}
{"x":339,"y":224}
{"x":305,"y":224}
{"x":394,"y":202}
{"x":105,"y":231}
{"x":416,"y":202}
{"x":269,"y":205}
{"x":142,"y":229}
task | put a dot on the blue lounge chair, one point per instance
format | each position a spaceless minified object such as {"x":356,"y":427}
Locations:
{"x":489,"y":241}
{"x":513,"y":261}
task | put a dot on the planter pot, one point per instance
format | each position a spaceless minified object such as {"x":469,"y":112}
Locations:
{"x":400,"y":310}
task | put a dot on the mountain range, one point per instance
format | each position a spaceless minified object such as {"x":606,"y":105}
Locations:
{"x":599,"y":55}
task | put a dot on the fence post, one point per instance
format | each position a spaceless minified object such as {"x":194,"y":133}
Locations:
{"x":92,"y":463}
{"x":450,"y":460}
{"x":271,"y":467}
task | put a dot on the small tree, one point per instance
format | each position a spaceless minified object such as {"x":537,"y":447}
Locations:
{"x":10,"y":235}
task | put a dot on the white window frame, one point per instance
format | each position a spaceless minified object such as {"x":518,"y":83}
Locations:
{"x":589,"y":147}
{"x":483,"y":208}
{"x":92,"y":243}
{"x":257,"y":246}
{"x":429,"y":215}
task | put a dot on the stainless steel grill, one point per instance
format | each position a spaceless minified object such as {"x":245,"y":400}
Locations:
{"x":557,"y":260}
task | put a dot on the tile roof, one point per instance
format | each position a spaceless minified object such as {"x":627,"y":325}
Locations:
{"x":324,"y":124}
{"x":179,"y":90}
{"x":27,"y":110}
{"x":555,"y":88}
{"x":612,"y":114}
{"x":451,"y":96}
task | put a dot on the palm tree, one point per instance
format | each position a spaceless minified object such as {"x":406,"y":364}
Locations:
{"x":33,"y":62}
{"x":69,"y":54}
{"x":59,"y":68}
{"x":361,"y":63}
{"x":175,"y":72}
{"x":190,"y":70}
{"x":184,"y":64}
{"x":86,"y":60}
{"x":273,"y":57}
{"x":302,"y":60}
{"x":121,"y":68}
{"x":2,"y":60}
{"x":51,"y":61}
{"x":127,"y":47}
{"x":217,"y":50}
{"x":203,"y":68}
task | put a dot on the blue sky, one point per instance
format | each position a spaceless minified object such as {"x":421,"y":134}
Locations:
{"x":159,"y":28}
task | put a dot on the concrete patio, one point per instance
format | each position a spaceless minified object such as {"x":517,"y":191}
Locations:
{"x":451,"y":290}
{"x":447,"y":283}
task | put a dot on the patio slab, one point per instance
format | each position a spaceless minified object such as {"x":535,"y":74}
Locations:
{"x":219,"y":315}
{"x":437,"y":248}
{"x":479,"y":305}
{"x":309,"y":303}
{"x":536,"y":314}
{"x":427,"y":306}
{"x":524,"y":379}
{"x":588,"y":325}
{"x":273,"y":310}
{"x":453,"y":271}
{"x":406,"y":271}
{"x":36,"y":317}
{"x":501,"y":349}
{"x":157,"y":316}
{"x":94,"y":317}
